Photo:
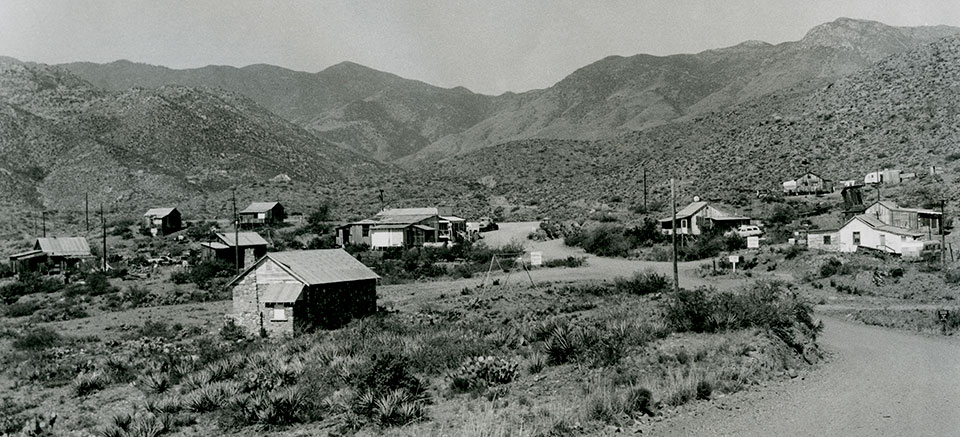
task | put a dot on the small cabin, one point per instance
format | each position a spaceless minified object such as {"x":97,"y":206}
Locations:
{"x":288,"y":293}
{"x":162,"y":221}
{"x":262,"y":214}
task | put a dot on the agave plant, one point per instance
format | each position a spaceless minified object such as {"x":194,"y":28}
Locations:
{"x":155,"y":382}
{"x":196,"y":380}
{"x":86,"y":383}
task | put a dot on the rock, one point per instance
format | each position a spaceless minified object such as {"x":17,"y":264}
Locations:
{"x":792,"y":373}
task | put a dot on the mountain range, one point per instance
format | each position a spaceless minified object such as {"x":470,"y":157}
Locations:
{"x":849,"y":97}
{"x":409,"y":122}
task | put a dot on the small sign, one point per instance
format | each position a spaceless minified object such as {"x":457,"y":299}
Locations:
{"x":943,"y":314}
{"x":536,"y":259}
{"x":734,"y":258}
{"x":753,"y":242}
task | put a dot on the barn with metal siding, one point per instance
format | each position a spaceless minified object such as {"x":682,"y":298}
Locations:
{"x":287,"y":293}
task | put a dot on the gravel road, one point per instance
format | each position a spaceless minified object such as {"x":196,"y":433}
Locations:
{"x":879,"y":382}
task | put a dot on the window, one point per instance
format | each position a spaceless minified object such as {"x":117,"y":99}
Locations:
{"x":856,"y":238}
{"x":826,"y":240}
{"x":279,"y":314}
{"x":365,"y":230}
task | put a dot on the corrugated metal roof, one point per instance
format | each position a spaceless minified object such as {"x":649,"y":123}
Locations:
{"x":323,"y":266}
{"x":875,"y":223}
{"x":27,"y":254}
{"x":158,"y":212}
{"x":256,"y":207}
{"x":409,"y":211}
{"x":391,"y":226}
{"x":215,"y":245}
{"x":246,"y":239}
{"x":423,"y":227}
{"x":63,"y":246}
{"x":402,"y":219}
{"x":452,"y":218}
{"x":282,"y":292}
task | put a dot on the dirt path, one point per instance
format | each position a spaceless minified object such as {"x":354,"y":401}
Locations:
{"x":878,"y":382}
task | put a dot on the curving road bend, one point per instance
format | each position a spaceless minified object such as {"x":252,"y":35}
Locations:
{"x":878,"y":382}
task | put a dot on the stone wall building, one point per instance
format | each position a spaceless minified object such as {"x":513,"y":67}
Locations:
{"x":286,"y":293}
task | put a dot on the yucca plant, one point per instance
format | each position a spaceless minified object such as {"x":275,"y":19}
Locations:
{"x":560,"y":346}
{"x":86,"y":383}
{"x":155,"y":382}
{"x":171,"y":404}
{"x":146,"y":425}
{"x":397,"y":407}
{"x":537,"y":364}
{"x":196,"y":380}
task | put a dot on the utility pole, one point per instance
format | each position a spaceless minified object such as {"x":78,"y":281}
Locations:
{"x":43,"y":215}
{"x":645,"y":189}
{"x":943,"y":234}
{"x":103,"y":228}
{"x":236,"y":234}
{"x":86,"y":208}
{"x":673,"y":234}
{"x":381,"y":200}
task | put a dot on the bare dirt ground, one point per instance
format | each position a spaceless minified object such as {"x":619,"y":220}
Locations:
{"x":878,"y":382}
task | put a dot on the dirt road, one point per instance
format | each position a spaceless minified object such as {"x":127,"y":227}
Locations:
{"x":878,"y":382}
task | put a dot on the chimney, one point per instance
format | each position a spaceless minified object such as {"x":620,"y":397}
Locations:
{"x":248,"y":257}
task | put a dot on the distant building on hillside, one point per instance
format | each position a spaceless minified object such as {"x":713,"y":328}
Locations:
{"x":53,"y":253}
{"x":252,"y":247}
{"x":162,"y":221}
{"x":287,"y":293}
{"x":701,"y":216}
{"x":889,"y":177}
{"x":808,"y":183}
{"x":262,"y":213}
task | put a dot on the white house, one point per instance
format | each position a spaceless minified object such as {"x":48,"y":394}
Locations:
{"x":867,"y":231}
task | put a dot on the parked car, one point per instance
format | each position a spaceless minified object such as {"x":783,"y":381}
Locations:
{"x":748,"y":231}
{"x":487,"y":224}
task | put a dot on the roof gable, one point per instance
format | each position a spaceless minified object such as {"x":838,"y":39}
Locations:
{"x":314,"y":267}
{"x":257,"y":207}
{"x":876,"y":224}
{"x":246,"y":239}
{"x":409,"y":211}
{"x":159,"y":212}
{"x":63,"y":246}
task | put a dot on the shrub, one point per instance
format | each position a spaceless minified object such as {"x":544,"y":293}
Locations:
{"x":831,"y":267}
{"x":641,"y":283}
{"x":481,"y":372}
{"x":231,"y":331}
{"x":704,"y":390}
{"x":37,"y":338}
{"x":951,"y":276}
{"x":86,"y":383}
{"x":97,"y":284}
{"x":22,"y":309}
{"x":570,"y":261}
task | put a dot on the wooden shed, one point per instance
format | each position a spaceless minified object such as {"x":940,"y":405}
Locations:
{"x":286,"y":293}
{"x":162,"y":221}
{"x":252,"y":247}
{"x":262,"y":213}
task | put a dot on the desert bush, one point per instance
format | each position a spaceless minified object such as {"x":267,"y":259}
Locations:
{"x":60,"y":310}
{"x":641,"y":283}
{"x":830,"y":267}
{"x":231,"y":331}
{"x":951,"y":275}
{"x":204,"y":274}
{"x":29,"y":283}
{"x":22,"y":309}
{"x":481,"y":372}
{"x":570,"y":261}
{"x":37,"y":338}
{"x":607,"y":403}
{"x":86,"y":383}
{"x":704,"y":390}
{"x":766,"y":304}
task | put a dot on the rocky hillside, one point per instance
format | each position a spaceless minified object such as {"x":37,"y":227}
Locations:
{"x":898,"y":113}
{"x":377,"y":113}
{"x":395,"y":119}
{"x":61,"y":137}
{"x":620,"y":94}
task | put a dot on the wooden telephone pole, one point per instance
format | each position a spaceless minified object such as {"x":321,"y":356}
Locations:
{"x":943,"y":234}
{"x":236,"y":234}
{"x":673,"y":234}
{"x":86,"y":208}
{"x":103,"y":227}
{"x":43,"y":215}
{"x":644,"y":189}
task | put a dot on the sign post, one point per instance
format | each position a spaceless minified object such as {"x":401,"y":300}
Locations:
{"x":942,"y":315}
{"x":536,"y":259}
{"x":734,"y":259}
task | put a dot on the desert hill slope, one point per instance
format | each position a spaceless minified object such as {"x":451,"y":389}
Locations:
{"x":61,"y":137}
{"x":898,"y":113}
{"x":370,"y":111}
{"x":407,"y":121}
{"x":620,"y":94}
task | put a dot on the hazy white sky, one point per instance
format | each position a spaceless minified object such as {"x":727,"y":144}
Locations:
{"x":489,"y":46}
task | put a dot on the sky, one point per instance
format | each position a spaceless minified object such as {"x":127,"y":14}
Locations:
{"x":488,"y":46}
